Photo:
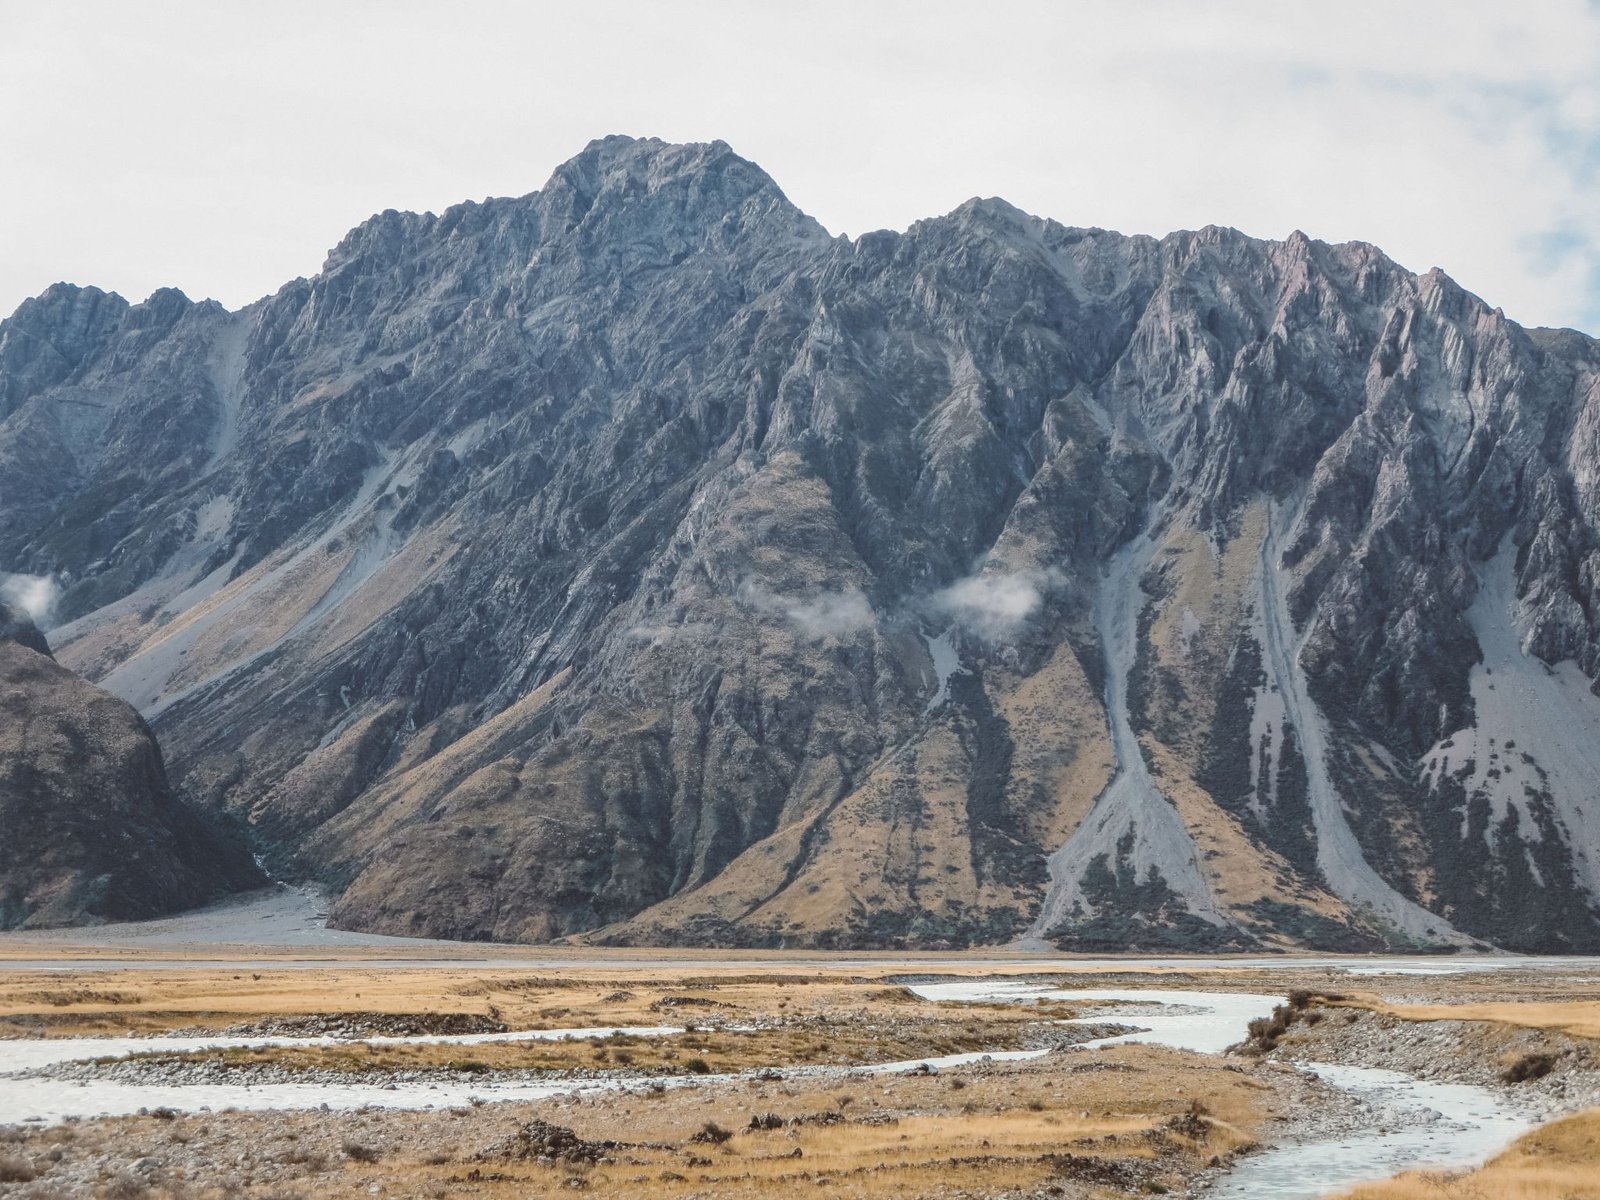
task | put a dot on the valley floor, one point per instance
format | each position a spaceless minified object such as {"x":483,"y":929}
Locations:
{"x":776,"y":1075}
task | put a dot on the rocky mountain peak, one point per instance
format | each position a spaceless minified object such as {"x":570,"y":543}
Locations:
{"x":50,"y":336}
{"x":632,"y":560}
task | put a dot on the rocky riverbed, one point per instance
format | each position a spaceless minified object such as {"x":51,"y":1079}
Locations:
{"x":1137,"y":1118}
{"x":768,"y":1082}
{"x":1544,"y":1071}
{"x":154,"y":1069}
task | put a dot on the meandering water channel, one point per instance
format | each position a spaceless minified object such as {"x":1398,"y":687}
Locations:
{"x":1413,"y":1122}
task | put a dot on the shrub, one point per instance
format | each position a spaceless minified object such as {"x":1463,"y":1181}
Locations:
{"x":17,"y":1170}
{"x":1533,"y":1065}
{"x":712,"y":1134}
{"x":124,"y":1187}
{"x":361,"y":1153}
{"x":697,"y":1066}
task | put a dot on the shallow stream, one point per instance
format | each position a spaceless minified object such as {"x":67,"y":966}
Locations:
{"x":1412,"y":1122}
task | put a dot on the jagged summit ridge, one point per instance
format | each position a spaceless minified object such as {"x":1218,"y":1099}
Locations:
{"x":634,"y":560}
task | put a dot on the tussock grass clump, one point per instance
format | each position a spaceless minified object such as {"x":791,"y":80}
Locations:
{"x":1530,"y":1066}
{"x":712,"y":1134}
{"x":124,"y":1187}
{"x":1266,"y":1032}
{"x":17,"y":1170}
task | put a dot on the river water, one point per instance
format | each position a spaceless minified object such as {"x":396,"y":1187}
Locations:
{"x":1412,"y":1122}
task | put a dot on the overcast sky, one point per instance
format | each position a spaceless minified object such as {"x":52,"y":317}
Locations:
{"x":223,"y":147}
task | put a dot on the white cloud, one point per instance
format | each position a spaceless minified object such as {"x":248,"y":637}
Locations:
{"x":823,"y":616}
{"x":1458,"y":133}
{"x":994,"y":604}
{"x":33,"y":595}
{"x":658,"y":634}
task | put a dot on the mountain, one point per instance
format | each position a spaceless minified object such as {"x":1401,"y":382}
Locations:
{"x":89,"y":829}
{"x":635,"y":561}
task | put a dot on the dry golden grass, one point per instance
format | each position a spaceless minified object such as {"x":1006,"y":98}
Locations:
{"x":716,"y":1051}
{"x":1559,"y":1161}
{"x":1140,"y":1115}
{"x":1577,"y":1018}
{"x":1106,"y":1123}
{"x":86,"y":1002}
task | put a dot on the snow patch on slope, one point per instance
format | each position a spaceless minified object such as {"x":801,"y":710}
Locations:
{"x":1131,"y":802}
{"x":1266,"y":734}
{"x":1339,"y":856}
{"x":1537,"y":727}
{"x":946,"y":663}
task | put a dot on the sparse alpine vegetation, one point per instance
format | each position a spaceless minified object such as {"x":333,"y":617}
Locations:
{"x":634,"y":561}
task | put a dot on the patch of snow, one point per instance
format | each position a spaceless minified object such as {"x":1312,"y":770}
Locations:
{"x":1538,"y":727}
{"x":1131,"y":802}
{"x":469,"y":439}
{"x":946,"y":663}
{"x":1345,"y":868}
{"x":1188,"y":630}
{"x":1266,"y":735}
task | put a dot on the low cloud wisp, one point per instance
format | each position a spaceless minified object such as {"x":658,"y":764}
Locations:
{"x":994,"y":604}
{"x":825,"y":615}
{"x":34,"y":596}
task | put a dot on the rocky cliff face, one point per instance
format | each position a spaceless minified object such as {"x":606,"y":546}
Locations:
{"x":89,"y":829}
{"x":634,"y":560}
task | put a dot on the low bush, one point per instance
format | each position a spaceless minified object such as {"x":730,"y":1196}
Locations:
{"x":124,"y":1187}
{"x":17,"y":1170}
{"x":1530,"y":1066}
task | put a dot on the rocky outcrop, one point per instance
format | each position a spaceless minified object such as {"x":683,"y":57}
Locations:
{"x":633,"y":560}
{"x":89,"y":828}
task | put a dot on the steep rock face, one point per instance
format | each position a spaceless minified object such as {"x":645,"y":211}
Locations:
{"x":89,"y":828}
{"x":634,"y":560}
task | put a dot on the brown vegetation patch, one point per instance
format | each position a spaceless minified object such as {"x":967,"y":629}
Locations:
{"x":1555,"y":1162}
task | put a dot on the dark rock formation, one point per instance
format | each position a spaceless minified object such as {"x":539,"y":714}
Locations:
{"x":635,"y":560}
{"x":89,"y":829}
